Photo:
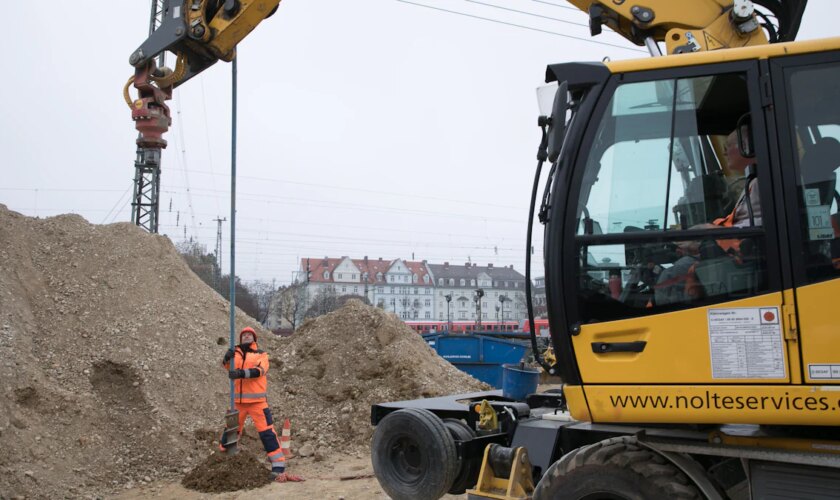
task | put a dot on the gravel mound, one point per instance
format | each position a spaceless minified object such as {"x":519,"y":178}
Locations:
{"x":220,"y":473}
{"x":108,"y":358}
{"x":110,"y":374}
{"x":336,"y":366}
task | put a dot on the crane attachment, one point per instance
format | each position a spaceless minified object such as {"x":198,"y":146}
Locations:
{"x":696,"y":25}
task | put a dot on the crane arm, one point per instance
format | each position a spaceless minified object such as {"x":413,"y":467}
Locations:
{"x":199,"y":32}
{"x":695,"y":25}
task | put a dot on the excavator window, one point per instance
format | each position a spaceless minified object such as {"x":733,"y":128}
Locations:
{"x":817,"y":129}
{"x":656,"y":180}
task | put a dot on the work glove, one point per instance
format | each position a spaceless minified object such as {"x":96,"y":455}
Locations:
{"x":236,"y":374}
{"x":228,"y":356}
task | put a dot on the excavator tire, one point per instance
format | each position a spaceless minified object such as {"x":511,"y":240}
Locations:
{"x":616,"y":468}
{"x":468,"y":467}
{"x":414,"y":455}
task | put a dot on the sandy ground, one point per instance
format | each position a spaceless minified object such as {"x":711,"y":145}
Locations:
{"x":323,"y":482}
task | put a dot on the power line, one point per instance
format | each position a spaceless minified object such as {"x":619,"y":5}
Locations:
{"x":184,"y":158}
{"x":520,"y":26}
{"x":357,"y":190}
{"x":207,"y":136}
{"x":556,"y":5}
{"x":528,"y":13}
{"x":369,"y":208}
{"x":119,"y":200}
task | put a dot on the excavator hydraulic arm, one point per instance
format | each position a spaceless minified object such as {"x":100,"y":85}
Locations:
{"x":199,"y":32}
{"x":695,"y":25}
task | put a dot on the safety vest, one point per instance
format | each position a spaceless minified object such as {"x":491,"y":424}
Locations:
{"x":250,"y":390}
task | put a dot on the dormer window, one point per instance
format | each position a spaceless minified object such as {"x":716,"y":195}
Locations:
{"x":463,"y":282}
{"x":440,"y":281}
{"x":451,"y":281}
{"x":378,"y":276}
{"x":326,"y":275}
{"x":426,"y":279}
{"x":414,"y":279}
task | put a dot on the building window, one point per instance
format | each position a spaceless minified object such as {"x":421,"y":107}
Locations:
{"x":379,"y":289}
{"x":326,"y":275}
{"x":462,"y":315}
{"x":355,"y":289}
{"x":472,"y":282}
{"x":428,"y":315}
{"x":344,"y":288}
{"x":515,"y":284}
{"x":463,"y":282}
{"x":340,"y":275}
{"x":416,"y":291}
{"x":393,"y":302}
{"x":428,"y":302}
{"x":378,"y":276}
{"x":414,"y":278}
{"x":426,"y":279}
{"x":451,"y":281}
{"x":440,"y":315}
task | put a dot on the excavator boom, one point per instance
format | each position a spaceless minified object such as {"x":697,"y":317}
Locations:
{"x":200,"y":32}
{"x":694,"y":25}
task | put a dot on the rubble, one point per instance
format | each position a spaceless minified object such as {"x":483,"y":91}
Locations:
{"x":110,"y":352}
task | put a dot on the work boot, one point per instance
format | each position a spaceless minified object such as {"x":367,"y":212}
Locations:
{"x":286,"y":477}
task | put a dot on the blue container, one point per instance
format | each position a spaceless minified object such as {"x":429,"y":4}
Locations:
{"x":479,"y":355}
{"x":518,"y":381}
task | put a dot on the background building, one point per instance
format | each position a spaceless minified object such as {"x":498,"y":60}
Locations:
{"x":504,"y":292}
{"x":415,"y":290}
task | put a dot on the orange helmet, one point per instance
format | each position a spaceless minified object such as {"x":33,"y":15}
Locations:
{"x":249,"y":330}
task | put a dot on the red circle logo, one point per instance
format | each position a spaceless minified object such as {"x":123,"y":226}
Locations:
{"x":769,"y":316}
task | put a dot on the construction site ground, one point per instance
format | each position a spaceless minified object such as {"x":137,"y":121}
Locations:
{"x":323,"y":481}
{"x":110,"y":351}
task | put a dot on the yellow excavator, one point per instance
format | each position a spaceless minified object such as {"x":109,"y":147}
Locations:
{"x":692,"y":266}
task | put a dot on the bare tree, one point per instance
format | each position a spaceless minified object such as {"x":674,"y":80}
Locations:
{"x":324,"y":301}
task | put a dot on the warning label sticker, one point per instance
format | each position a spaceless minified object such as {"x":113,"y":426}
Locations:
{"x":828,"y":371}
{"x":746,"y":343}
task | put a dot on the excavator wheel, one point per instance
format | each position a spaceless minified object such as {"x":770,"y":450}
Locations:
{"x":414,"y":455}
{"x":468,"y":466}
{"x":616,"y":468}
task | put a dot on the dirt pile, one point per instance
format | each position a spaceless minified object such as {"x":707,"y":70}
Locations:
{"x":108,"y":357}
{"x":336,"y":366}
{"x":110,"y":375}
{"x":220,"y":472}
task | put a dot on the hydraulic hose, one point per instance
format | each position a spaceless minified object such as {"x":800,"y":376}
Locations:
{"x":542,"y":155}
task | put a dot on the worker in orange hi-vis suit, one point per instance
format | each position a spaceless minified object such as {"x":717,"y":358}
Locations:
{"x":250,"y":366}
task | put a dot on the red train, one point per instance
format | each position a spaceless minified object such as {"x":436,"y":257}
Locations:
{"x":541,"y":326}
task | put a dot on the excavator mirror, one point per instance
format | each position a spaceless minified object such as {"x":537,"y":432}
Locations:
{"x":557,"y":126}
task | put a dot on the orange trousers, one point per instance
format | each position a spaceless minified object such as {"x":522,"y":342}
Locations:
{"x":260,"y":413}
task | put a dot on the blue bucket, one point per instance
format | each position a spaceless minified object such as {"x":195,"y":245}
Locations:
{"x":518,"y":381}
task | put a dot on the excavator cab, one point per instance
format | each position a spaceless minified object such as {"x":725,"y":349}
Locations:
{"x":668,"y":314}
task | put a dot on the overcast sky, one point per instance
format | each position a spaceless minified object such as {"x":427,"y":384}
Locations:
{"x":383,"y":128}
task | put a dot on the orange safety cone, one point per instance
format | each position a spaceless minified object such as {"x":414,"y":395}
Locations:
{"x":286,"y":439}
